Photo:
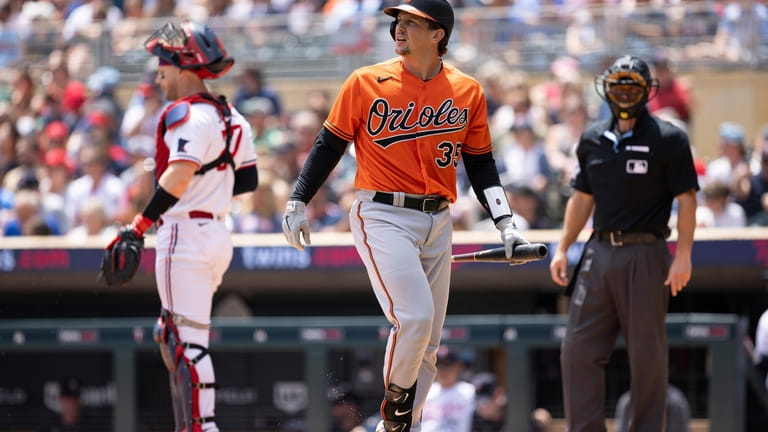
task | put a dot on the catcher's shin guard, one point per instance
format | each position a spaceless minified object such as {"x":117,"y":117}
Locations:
{"x":397,"y":408}
{"x":184,"y":380}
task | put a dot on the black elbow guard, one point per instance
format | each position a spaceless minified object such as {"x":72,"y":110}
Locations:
{"x":246,"y":180}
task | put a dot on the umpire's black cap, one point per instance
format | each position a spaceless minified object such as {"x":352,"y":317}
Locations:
{"x":439,"y":11}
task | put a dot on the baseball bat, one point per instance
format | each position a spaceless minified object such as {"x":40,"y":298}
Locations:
{"x":520,"y":254}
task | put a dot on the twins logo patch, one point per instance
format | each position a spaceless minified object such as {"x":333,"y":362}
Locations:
{"x":637,"y":166}
{"x":182,"y":143}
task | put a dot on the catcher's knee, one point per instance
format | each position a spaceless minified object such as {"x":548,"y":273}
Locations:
{"x":397,"y":408}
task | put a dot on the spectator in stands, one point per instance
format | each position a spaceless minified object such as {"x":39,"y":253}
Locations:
{"x":718,"y":209}
{"x":93,"y":222}
{"x":560,"y":147}
{"x":319,"y":100}
{"x":490,"y":403}
{"x":102,"y":85}
{"x":10,"y":40}
{"x":73,"y":100}
{"x":678,"y":411}
{"x":268,"y":132}
{"x":251,"y":83}
{"x":27,"y":217}
{"x":304,"y":125}
{"x":98,"y":130}
{"x":59,"y":169}
{"x":518,"y":108}
{"x":742,"y":32}
{"x":91,"y":19}
{"x":95,"y":180}
{"x":8,"y":138}
{"x":261,"y":212}
{"x":755,"y":193}
{"x":673,"y":96}
{"x":524,"y":161}
{"x":324,"y":212}
{"x":759,"y":147}
{"x":450,"y":402}
{"x":582,"y":41}
{"x":733,"y":154}
{"x":23,"y":87}
{"x":27,"y":163}
{"x":38,"y":25}
{"x":54,"y":136}
{"x":139,"y":181}
{"x":565,"y":79}
{"x":494,"y":75}
{"x":140,"y":119}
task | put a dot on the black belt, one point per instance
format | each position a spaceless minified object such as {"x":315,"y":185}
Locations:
{"x":427,"y":204}
{"x":619,"y":238}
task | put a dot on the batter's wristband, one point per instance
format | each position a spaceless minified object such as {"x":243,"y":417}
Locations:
{"x":160,"y":202}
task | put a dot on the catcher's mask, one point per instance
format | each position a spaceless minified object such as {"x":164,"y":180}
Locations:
{"x":190,"y":46}
{"x":626,"y":86}
{"x":439,"y":11}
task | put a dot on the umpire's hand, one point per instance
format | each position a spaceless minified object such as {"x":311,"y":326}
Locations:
{"x":295,"y":224}
{"x":510,"y":236}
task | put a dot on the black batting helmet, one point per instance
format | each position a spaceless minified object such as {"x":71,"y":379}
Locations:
{"x":439,"y":11}
{"x":191,"y":46}
{"x":626,"y":86}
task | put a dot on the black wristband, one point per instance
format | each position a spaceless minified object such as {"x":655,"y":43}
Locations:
{"x":160,"y":202}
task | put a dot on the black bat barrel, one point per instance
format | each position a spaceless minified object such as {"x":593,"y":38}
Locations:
{"x":521,"y":253}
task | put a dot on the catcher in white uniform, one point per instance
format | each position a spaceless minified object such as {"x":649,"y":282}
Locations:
{"x":203,"y":157}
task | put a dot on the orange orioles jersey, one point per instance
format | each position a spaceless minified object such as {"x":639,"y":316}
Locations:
{"x":408,"y":133}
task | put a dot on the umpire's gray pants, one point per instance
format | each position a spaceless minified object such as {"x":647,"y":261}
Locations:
{"x":617,"y":289}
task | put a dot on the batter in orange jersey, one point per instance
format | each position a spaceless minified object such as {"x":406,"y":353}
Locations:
{"x":412,"y":119}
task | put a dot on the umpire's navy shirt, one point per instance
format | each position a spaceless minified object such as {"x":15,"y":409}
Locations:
{"x":634,"y":177}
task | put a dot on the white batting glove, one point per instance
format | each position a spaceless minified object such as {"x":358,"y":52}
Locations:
{"x":295,"y":224}
{"x":510,"y":236}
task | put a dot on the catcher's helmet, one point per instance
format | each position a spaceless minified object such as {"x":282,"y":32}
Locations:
{"x":191,"y":46}
{"x":439,"y":11}
{"x":626,"y":86}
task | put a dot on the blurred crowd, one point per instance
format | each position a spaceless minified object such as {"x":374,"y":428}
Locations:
{"x":76,"y":156}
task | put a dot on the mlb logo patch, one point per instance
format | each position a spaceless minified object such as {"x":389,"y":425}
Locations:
{"x":637,"y":166}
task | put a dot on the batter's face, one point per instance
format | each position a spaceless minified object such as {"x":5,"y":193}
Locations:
{"x":168,"y":80}
{"x":413,"y":35}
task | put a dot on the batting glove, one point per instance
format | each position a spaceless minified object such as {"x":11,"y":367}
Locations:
{"x":295,"y":224}
{"x":510,"y":236}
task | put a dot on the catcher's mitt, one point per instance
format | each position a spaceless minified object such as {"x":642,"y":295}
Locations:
{"x":122,"y":257}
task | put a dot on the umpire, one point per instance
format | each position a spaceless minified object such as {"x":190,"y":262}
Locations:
{"x":631,"y":169}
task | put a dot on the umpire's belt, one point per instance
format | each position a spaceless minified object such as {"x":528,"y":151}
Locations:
{"x":619,"y":238}
{"x":425,"y":204}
